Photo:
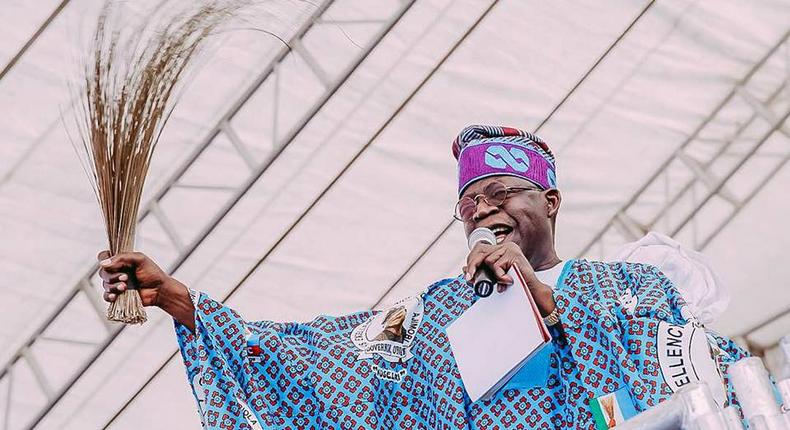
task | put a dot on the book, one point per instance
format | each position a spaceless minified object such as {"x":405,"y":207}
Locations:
{"x":496,"y":337}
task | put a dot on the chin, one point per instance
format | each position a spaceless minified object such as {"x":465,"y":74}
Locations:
{"x":520,"y":246}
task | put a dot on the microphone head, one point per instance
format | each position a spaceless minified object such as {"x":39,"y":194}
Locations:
{"x":481,"y":234}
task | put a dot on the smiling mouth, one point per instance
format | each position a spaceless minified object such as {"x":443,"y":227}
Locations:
{"x":501,"y":232}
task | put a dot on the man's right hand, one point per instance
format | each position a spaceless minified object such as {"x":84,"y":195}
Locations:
{"x":134,"y":270}
{"x":131,"y":270}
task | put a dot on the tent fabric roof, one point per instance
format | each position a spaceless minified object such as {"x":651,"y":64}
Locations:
{"x":356,"y":210}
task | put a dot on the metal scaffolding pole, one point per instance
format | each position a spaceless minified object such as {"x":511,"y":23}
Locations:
{"x":185,"y":247}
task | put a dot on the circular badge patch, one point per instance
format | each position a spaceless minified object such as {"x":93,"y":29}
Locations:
{"x":390,"y":333}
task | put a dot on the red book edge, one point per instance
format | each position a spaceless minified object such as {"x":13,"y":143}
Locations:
{"x":544,"y":330}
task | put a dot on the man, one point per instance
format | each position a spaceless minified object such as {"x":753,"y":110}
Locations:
{"x":393,"y":325}
{"x":620,"y":338}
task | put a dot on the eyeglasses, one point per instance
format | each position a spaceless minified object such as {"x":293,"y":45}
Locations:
{"x":494,"y":194}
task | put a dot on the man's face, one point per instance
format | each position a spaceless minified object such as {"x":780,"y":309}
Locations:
{"x":395,"y":320}
{"x":524,"y":218}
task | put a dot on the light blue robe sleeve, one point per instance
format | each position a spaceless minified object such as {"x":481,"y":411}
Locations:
{"x":251,"y":374}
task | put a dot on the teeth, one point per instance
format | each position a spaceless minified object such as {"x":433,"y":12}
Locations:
{"x":499,"y":230}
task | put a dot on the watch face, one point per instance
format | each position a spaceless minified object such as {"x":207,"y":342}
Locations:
{"x":484,"y":288}
{"x":552,"y":318}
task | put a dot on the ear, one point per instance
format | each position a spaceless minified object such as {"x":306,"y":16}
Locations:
{"x":553,"y":200}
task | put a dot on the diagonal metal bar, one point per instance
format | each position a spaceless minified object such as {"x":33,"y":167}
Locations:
{"x":595,"y":65}
{"x":33,"y":38}
{"x":628,"y":226}
{"x":168,"y":227}
{"x":318,"y":71}
{"x":68,"y":341}
{"x":9,"y":391}
{"x":93,"y":300}
{"x":414,"y":263}
{"x":240,"y":147}
{"x":705,"y":176}
{"x":350,"y":21}
{"x":204,"y":186}
{"x":38,"y":373}
{"x":757,"y":105}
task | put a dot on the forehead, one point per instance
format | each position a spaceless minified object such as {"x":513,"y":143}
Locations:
{"x":478,"y":186}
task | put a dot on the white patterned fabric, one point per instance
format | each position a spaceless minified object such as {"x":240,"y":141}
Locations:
{"x":690,"y":271}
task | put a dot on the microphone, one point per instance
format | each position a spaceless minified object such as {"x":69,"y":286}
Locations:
{"x":482,"y":282}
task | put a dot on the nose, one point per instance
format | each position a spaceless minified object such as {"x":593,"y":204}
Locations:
{"x":483,"y":209}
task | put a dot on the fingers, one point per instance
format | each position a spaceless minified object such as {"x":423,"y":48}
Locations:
{"x":113,"y":272}
{"x":115,"y":288}
{"x":475,"y":258}
{"x":501,"y":267}
{"x":122,"y":261}
{"x":113,"y":277}
{"x":499,"y":259}
{"x":494,"y":257}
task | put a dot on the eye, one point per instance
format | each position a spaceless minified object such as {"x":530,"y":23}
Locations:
{"x":466,"y":208}
{"x":496,"y":193}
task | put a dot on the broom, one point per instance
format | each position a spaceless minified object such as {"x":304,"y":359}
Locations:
{"x":131,"y":84}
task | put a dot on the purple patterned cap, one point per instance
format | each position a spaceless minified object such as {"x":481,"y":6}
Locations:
{"x":483,"y":151}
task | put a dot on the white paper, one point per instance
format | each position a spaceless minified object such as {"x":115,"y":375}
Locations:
{"x":494,"y":338}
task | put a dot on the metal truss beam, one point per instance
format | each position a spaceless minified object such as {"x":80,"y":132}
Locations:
{"x":690,"y":185}
{"x":157,"y":212}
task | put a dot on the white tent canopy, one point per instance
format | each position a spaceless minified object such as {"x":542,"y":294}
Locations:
{"x":317,"y":178}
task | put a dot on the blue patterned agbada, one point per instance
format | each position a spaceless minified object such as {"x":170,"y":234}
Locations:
{"x":623,"y":331}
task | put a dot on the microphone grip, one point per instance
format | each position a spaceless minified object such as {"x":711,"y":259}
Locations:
{"x":483,"y":284}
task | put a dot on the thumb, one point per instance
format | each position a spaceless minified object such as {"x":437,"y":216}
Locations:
{"x":121,"y":261}
{"x":103,"y":255}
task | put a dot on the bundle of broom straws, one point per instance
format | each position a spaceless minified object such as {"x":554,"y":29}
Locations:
{"x":130,"y":86}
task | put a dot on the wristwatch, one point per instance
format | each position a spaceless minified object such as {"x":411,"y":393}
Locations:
{"x":552,"y":318}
